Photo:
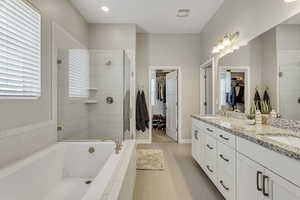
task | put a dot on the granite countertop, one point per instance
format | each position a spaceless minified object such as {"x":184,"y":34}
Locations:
{"x":259,"y":134}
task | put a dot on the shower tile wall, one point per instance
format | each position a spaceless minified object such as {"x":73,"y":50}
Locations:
{"x":106,"y":120}
{"x":72,"y":113}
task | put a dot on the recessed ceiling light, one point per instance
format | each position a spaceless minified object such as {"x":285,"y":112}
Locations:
{"x":289,"y":1}
{"x":105,"y":9}
{"x":183,"y":12}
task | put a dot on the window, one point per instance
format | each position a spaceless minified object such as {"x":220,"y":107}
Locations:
{"x":78,"y":73}
{"x":20,"y":49}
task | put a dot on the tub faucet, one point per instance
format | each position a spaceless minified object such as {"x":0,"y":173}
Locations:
{"x":118,"y":147}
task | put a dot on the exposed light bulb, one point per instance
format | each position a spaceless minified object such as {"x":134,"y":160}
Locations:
{"x":221,"y":46}
{"x":236,"y":47}
{"x":105,"y":9}
{"x":226,"y":42}
{"x":215,"y":50}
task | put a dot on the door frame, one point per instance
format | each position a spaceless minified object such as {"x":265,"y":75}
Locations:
{"x":213,"y":63}
{"x":179,"y":96}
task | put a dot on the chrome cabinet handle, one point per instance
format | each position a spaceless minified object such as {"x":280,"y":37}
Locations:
{"x":226,"y":188}
{"x":258,"y":178}
{"x":207,"y":166}
{"x":208,"y":129}
{"x":225,"y":159}
{"x":224,"y":138}
{"x":265,"y":180}
{"x":208,"y":146}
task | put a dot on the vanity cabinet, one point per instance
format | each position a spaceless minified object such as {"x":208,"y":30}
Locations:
{"x":214,"y":151}
{"x":255,"y":182}
{"x":244,"y":170}
{"x":198,"y":142}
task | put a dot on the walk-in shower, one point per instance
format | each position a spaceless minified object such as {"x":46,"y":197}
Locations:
{"x":93,"y":94}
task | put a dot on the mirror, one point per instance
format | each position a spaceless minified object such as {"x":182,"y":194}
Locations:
{"x":268,"y":68}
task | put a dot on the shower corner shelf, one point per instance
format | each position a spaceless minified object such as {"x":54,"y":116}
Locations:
{"x":93,"y":89}
{"x":91,"y":102}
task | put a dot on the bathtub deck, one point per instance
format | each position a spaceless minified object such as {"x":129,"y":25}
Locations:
{"x":69,"y":189}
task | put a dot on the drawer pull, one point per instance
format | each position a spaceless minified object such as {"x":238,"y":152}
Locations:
{"x":208,"y":129}
{"x":226,"y":188}
{"x":208,"y":146}
{"x":196,"y":134}
{"x":224,"y":138}
{"x":209,"y":169}
{"x":258,"y":178}
{"x":225,"y":159}
{"x":265,"y":179}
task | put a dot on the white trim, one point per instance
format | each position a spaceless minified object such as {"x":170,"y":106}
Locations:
{"x":213,"y":63}
{"x":179,"y":81}
{"x":186,"y":141}
{"x":25,"y":129}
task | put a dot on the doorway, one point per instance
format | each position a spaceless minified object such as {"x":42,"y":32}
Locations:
{"x":207,"y":87}
{"x":164,"y":104}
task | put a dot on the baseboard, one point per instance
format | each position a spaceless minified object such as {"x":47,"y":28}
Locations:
{"x":186,"y":141}
{"x":143,"y":141}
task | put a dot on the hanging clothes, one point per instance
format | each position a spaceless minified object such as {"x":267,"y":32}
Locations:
{"x":161,"y":88}
{"x":240,"y":94}
{"x":142,"y":116}
{"x":145,"y":110}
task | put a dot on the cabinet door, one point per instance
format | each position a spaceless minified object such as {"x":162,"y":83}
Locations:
{"x":201,"y":149}
{"x":277,"y":188}
{"x":195,"y":143}
{"x":249,"y":179}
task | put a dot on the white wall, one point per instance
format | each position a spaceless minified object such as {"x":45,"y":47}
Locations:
{"x":18,"y":113}
{"x":251,"y":18}
{"x":172,"y":50}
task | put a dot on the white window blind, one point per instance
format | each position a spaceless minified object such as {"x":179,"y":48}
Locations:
{"x":20,"y":49}
{"x":78,"y":73}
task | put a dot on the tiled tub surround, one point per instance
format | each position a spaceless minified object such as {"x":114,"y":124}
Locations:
{"x":259,"y":134}
{"x":61,"y":172}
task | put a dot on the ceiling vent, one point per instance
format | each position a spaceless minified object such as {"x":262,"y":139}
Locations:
{"x":183,"y":13}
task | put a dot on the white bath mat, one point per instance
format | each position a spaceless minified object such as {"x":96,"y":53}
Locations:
{"x":150,"y":159}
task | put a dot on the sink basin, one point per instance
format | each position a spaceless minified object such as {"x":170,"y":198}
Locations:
{"x":288,"y":140}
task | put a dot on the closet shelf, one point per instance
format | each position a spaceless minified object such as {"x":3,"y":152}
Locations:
{"x":91,"y":102}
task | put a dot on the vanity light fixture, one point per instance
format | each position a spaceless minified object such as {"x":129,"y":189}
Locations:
{"x":227,"y":44}
{"x":105,"y":9}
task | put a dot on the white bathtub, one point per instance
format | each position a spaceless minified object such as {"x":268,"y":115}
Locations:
{"x":60,"y":172}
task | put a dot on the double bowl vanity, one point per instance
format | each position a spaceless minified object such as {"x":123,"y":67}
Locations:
{"x":247,"y":162}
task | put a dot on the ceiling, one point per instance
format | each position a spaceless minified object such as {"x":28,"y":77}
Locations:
{"x":151,"y":16}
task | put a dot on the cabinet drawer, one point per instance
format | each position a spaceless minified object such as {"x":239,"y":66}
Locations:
{"x":226,"y":138}
{"x":226,"y":159}
{"x":211,"y":143}
{"x":211,"y":169}
{"x":209,"y":129}
{"x":210,"y":157}
{"x":226,"y":185}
